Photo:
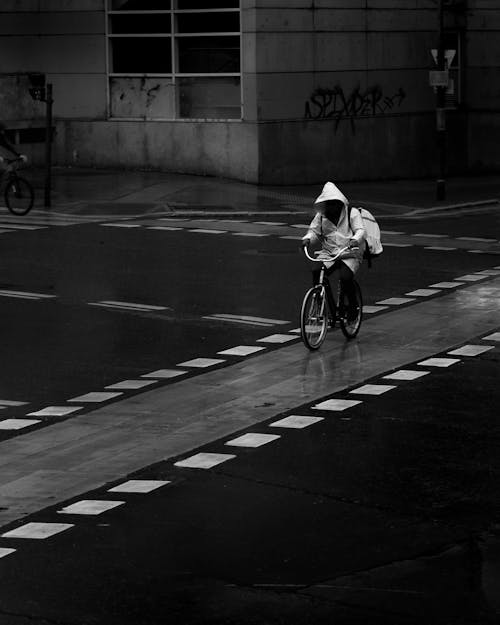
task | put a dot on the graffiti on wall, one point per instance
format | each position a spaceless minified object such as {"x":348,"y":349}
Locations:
{"x":337,"y":105}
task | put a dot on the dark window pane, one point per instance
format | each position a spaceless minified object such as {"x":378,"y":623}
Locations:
{"x":208,"y":22}
{"x":208,"y":4}
{"x":140,"y":55}
{"x":140,"y":23}
{"x":209,"y":98}
{"x":198,"y":55}
{"x":141,"y":5}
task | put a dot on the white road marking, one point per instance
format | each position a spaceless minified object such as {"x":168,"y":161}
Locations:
{"x":292,"y":238}
{"x":492,"y":337}
{"x":138,"y":486}
{"x":204,"y":460}
{"x":253,"y":439}
{"x":10,"y":402}
{"x":445,"y":285}
{"x":296,"y":422}
{"x":396,"y":301}
{"x":24,"y":294}
{"x":12,"y":226}
{"x":119,"y":225}
{"x":128,"y":305}
{"x":295,"y":331}
{"x":483,"y":252}
{"x":17,"y":424}
{"x":38,"y":531}
{"x":476,"y":239}
{"x":387,"y":244}
{"x":488,"y":272}
{"x":270,"y":223}
{"x":471,"y":350}
{"x":164,"y":373}
{"x":277,"y":338}
{"x":241,"y":350}
{"x":337,"y":404}
{"x":5,"y":551}
{"x":129,"y":385}
{"x":405,"y":374}
{"x":169,"y":228}
{"x":391,"y":232}
{"x":201,"y":363}
{"x":373,"y":309}
{"x":372,"y":389}
{"x":203,"y":231}
{"x":440,"y":249}
{"x":438,"y":362}
{"x":471,"y":278}
{"x":424,"y":292}
{"x":54,"y":411}
{"x":430,"y":236}
{"x":95,"y":397}
{"x":250,"y":234}
{"x":261,"y":321}
{"x":303,"y":226}
{"x":90,"y":507}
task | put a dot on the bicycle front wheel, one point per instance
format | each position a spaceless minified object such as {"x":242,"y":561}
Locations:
{"x":314,"y":318}
{"x":351,"y":313}
{"x":19,"y":196}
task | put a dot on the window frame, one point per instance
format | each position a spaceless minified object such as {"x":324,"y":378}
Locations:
{"x":174,"y":74}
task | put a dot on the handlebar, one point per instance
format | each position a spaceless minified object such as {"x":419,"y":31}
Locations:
{"x":11,"y":162}
{"x":332,"y":259}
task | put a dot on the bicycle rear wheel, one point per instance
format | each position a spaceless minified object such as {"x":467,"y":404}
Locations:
{"x":350,"y":316}
{"x":314,"y":318}
{"x":18,"y":196}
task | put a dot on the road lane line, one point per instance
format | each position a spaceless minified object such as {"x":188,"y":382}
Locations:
{"x":132,"y":305}
{"x":241,"y":350}
{"x":90,"y":507}
{"x":9,"y":402}
{"x":206,"y":231}
{"x":25,"y":294}
{"x":372,"y":389}
{"x":438,"y":362}
{"x":405,"y":375}
{"x":296,"y":422}
{"x":471,"y":350}
{"x":253,"y":440}
{"x":95,"y":397}
{"x":439,"y":249}
{"x":38,"y":531}
{"x":201,"y":363}
{"x":445,"y":285}
{"x":55,"y":411}
{"x":337,"y":405}
{"x":17,"y":424}
{"x":139,"y":486}
{"x":396,"y":301}
{"x":204,"y":460}
{"x":492,"y":337}
{"x":164,"y":374}
{"x":424,"y":292}
{"x":277,"y":338}
{"x":130,"y":385}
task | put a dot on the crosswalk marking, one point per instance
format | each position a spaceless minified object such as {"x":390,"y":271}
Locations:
{"x":55,"y":411}
{"x":11,"y":403}
{"x":445,"y":285}
{"x":164,"y":373}
{"x":373,"y":309}
{"x":492,"y":337}
{"x":204,"y":460}
{"x":424,"y":292}
{"x":95,"y":397}
{"x":130,"y":385}
{"x":138,"y":486}
{"x":337,"y":405}
{"x":405,"y":374}
{"x":372,"y":389}
{"x":438,"y":362}
{"x":396,"y":301}
{"x":471,"y":278}
{"x":277,"y":338}
{"x":24,"y":294}
{"x":17,"y":424}
{"x":6,"y":551}
{"x":90,"y":507}
{"x":253,"y":439}
{"x":471,"y":350}
{"x":296,"y":422}
{"x":201,"y":363}
{"x":241,"y":350}
{"x":37,"y":531}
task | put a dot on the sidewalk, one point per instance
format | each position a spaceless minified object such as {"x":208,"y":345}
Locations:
{"x":92,"y":191}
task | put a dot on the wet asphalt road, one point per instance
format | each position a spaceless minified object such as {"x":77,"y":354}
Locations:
{"x":388,"y":513}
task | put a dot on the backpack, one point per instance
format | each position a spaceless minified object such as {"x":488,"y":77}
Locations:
{"x":373,"y":238}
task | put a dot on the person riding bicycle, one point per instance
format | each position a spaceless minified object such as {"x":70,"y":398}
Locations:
{"x":7,"y":145}
{"x":336,"y":226}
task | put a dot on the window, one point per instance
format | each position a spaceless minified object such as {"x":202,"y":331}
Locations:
{"x":174,"y":59}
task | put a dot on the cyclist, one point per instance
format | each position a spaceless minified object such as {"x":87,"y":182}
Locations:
{"x":336,"y":226}
{"x":7,"y":145}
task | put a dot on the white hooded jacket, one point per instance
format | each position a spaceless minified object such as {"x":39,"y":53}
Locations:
{"x":334,"y":237}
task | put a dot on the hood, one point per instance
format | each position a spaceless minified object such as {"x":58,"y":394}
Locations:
{"x":331,"y":192}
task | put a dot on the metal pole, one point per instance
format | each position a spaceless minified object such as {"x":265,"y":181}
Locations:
{"x":48,"y":146}
{"x":440,"y":109}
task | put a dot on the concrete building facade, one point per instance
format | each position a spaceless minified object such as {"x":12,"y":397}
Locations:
{"x":265,"y":91}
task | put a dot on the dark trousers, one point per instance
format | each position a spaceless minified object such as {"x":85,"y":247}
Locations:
{"x":346,"y":278}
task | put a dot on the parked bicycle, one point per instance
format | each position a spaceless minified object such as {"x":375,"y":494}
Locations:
{"x":320,"y":310}
{"x":18,"y":192}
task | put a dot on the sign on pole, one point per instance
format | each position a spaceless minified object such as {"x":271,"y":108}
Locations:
{"x":449,"y":55}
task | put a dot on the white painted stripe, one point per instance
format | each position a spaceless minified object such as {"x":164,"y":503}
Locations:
{"x":19,"y":296}
{"x":483,"y":252}
{"x":471,"y":278}
{"x":492,"y":337}
{"x":440,"y":249}
{"x":27,"y":294}
{"x":373,"y":309}
{"x":296,"y":422}
{"x":488,"y":272}
{"x":445,"y":285}
{"x":37,"y":531}
{"x":17,"y":424}
{"x":292,"y":238}
{"x":396,"y":301}
{"x":169,"y":228}
{"x":405,"y":374}
{"x":438,"y":362}
{"x":270,"y":223}
{"x":250,"y":318}
{"x":95,"y":397}
{"x":241,"y":350}
{"x":337,"y":404}
{"x":424,"y":292}
{"x":10,"y":402}
{"x":277,"y":338}
{"x":372,"y":389}
{"x":391,"y":232}
{"x":133,"y":305}
{"x":118,"y":225}
{"x":54,"y":411}
{"x":91,"y":507}
{"x":471,"y":350}
{"x":12,"y":226}
{"x":303,"y":226}
{"x":203,"y":231}
{"x":129,"y":385}
{"x":6,"y":551}
{"x":476,"y":239}
{"x":253,"y":439}
{"x":430,"y":236}
{"x":250,"y":234}
{"x":230,"y":320}
{"x":386,"y":244}
{"x":295,"y":331}
{"x":164,"y":374}
{"x":204,"y":460}
{"x":201,"y":363}
{"x":138,"y":486}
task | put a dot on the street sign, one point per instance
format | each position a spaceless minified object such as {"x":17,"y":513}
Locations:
{"x":439,"y":79}
{"x":449,"y":55}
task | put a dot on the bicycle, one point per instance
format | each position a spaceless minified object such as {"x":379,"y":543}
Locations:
{"x":320,"y":310}
{"x":18,"y":192}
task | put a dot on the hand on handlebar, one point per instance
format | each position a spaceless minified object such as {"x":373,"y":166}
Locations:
{"x":23,"y":158}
